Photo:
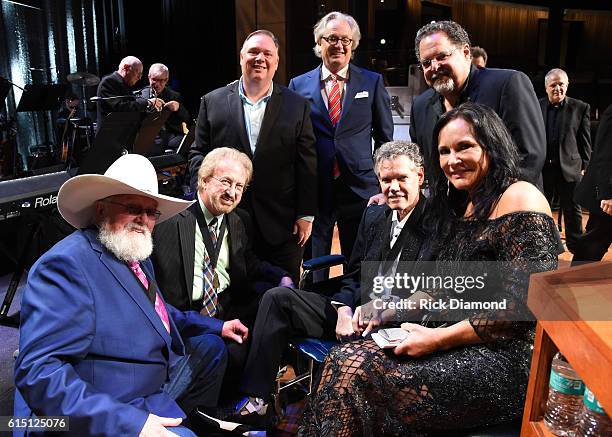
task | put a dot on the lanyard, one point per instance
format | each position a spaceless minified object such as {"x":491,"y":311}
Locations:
{"x":212,"y":250}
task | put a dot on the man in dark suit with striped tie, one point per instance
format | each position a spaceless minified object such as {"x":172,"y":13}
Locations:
{"x":203,"y":257}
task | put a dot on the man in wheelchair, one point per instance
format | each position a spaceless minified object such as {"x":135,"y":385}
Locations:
{"x":387,"y":234}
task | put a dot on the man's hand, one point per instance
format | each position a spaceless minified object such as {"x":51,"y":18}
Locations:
{"x":156,"y":426}
{"x":286,"y":281}
{"x":606,"y":206}
{"x":302,"y":229}
{"x":235,"y":330}
{"x":172,"y":105}
{"x":344,"y":325}
{"x":422,"y":341}
{"x":156,"y":103}
{"x":377,"y":199}
{"x":365,"y":319}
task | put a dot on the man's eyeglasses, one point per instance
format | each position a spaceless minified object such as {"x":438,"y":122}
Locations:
{"x":440,"y":57}
{"x":227,"y":183}
{"x":136,"y":210}
{"x":333,"y":40}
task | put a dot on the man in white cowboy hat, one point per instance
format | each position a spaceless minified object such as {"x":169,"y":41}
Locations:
{"x":98,"y":344}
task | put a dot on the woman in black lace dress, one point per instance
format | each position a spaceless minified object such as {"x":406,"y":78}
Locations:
{"x":473,"y":372}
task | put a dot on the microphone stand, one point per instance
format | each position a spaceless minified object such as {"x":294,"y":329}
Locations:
{"x":99,"y":99}
{"x":14,"y":141}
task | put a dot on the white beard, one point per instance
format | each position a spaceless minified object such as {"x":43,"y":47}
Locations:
{"x":443,"y":85}
{"x":125,"y":244}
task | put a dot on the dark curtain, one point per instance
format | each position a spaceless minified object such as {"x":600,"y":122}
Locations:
{"x":196,"y":40}
{"x":42,"y":41}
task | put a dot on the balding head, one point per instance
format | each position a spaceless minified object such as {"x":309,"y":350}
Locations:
{"x":130,"y":68}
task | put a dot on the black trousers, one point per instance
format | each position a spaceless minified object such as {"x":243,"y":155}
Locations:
{"x":554,"y":182}
{"x":287,"y":255}
{"x":595,"y":242}
{"x":283,"y":314}
{"x":346,"y":212}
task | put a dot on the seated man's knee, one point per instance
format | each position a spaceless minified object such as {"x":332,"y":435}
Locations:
{"x":208,"y":346}
{"x":276,"y":295}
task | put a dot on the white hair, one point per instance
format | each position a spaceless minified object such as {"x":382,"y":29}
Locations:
{"x":319,"y":29}
{"x":555,"y":72}
{"x":161,"y":68}
{"x":125,"y":244}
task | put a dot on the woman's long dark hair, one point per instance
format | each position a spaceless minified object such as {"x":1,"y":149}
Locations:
{"x":448,"y":204}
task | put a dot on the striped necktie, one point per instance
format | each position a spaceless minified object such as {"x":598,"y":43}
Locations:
{"x":335,"y":101}
{"x":209,"y":303}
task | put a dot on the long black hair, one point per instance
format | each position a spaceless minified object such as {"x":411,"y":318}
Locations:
{"x":447,"y":203}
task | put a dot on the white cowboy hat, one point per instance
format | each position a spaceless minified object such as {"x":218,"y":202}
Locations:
{"x":130,"y":174}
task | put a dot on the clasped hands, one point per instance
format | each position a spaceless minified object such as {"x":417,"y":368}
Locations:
{"x":158,"y":104}
{"x":421,"y":341}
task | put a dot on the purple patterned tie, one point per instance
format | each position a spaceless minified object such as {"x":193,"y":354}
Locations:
{"x":209,"y":303}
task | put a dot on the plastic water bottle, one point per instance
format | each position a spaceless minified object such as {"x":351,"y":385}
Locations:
{"x":594,"y":421}
{"x":564,"y":402}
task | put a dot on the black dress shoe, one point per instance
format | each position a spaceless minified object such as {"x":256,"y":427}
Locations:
{"x":213,"y":426}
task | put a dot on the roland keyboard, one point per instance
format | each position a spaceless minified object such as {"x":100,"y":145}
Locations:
{"x":31,"y":194}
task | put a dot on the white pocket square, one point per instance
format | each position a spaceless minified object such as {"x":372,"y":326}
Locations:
{"x":361,"y":95}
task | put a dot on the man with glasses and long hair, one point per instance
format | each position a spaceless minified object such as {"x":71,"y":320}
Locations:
{"x":443,"y":52}
{"x":349,"y":107}
{"x":204,"y":258}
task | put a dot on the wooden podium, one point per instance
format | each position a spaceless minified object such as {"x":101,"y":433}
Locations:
{"x":574,"y":311}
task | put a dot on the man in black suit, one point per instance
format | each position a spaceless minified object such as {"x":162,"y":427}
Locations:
{"x":175,"y":127}
{"x":443,"y":52}
{"x":228,"y":284}
{"x":386,"y":233}
{"x":271,"y":124}
{"x":568,"y":149}
{"x":119,"y":84}
{"x":595,"y":193}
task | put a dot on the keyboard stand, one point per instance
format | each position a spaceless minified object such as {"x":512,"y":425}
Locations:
{"x":13,"y":320}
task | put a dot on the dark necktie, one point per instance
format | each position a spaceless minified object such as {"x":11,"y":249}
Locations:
{"x":209,"y":303}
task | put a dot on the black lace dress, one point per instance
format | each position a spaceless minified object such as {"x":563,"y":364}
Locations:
{"x":364,"y":390}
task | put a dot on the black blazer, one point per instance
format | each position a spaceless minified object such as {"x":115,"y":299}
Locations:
{"x":574,"y":125}
{"x":173,"y":261}
{"x":596,"y":185}
{"x":373,"y":236}
{"x":113,"y":85}
{"x":284,"y":185}
{"x":510,"y":94}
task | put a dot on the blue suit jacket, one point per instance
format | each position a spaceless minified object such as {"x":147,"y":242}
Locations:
{"x":362,"y":119}
{"x":92,"y":346}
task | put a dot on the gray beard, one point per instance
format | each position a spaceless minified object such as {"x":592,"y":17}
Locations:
{"x":444,"y":85}
{"x":126,"y":245}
